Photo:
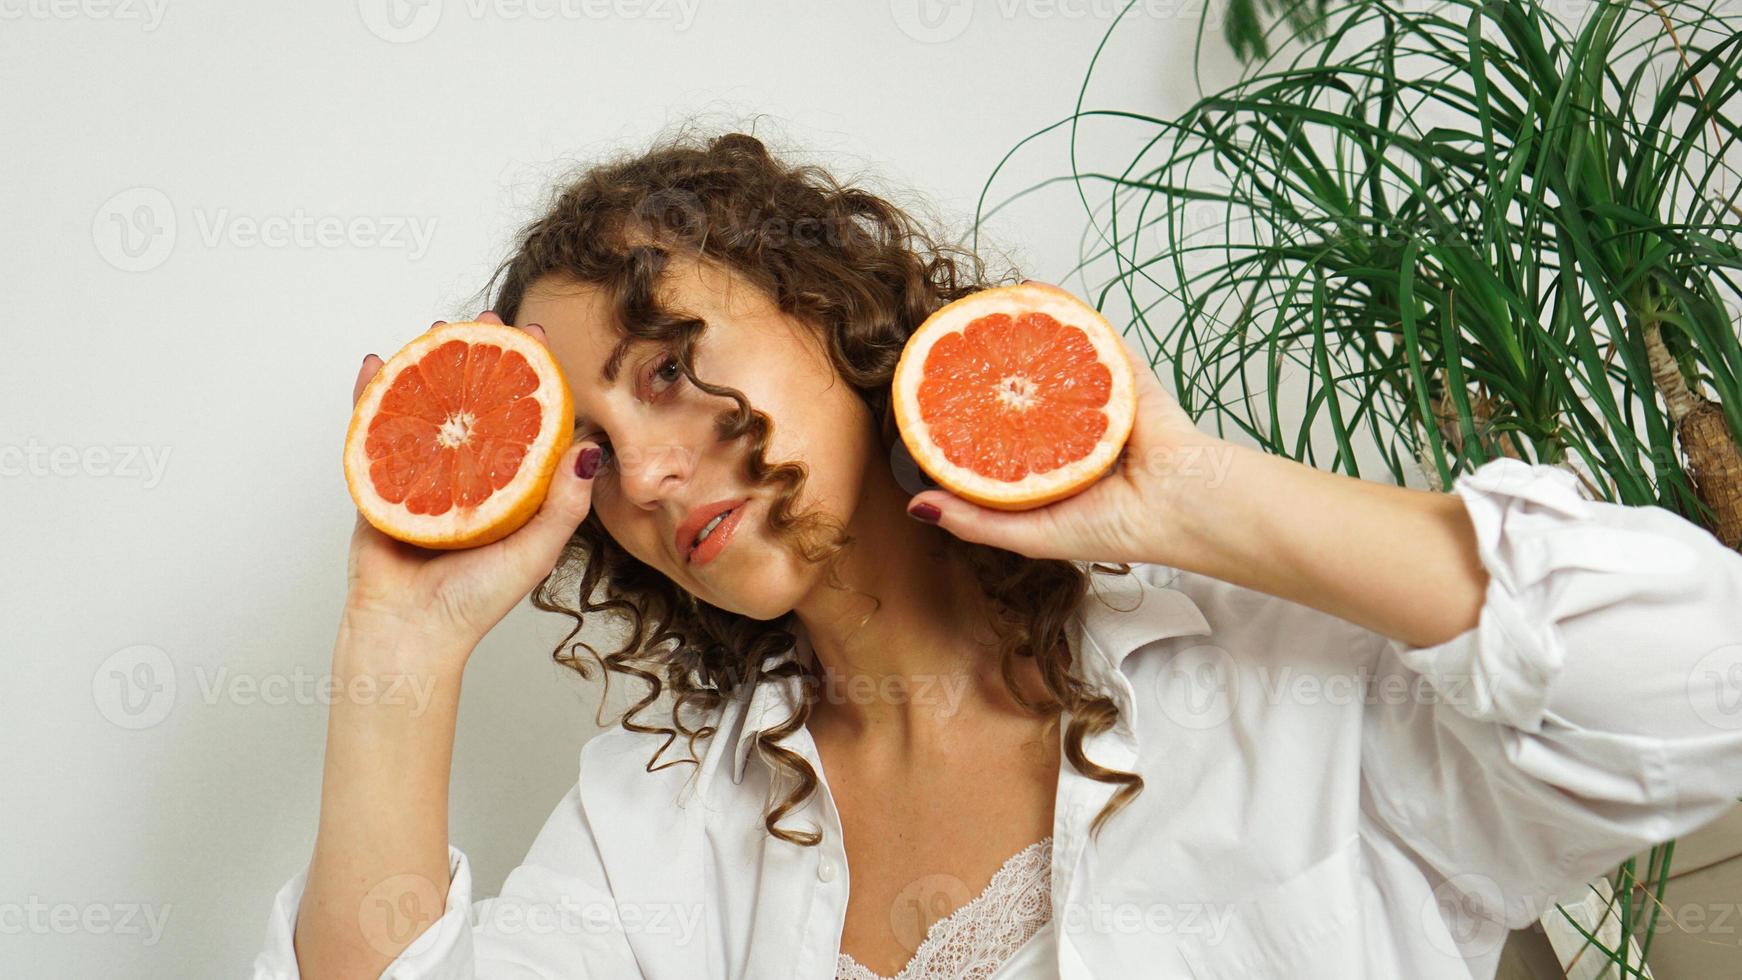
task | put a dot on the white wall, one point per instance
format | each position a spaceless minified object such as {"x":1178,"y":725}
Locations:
{"x":167,"y":615}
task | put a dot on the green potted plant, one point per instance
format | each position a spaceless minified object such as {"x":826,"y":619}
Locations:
{"x":1428,"y":235}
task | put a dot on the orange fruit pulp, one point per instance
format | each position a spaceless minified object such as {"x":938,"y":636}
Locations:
{"x":454,"y":442}
{"x":1015,"y":396}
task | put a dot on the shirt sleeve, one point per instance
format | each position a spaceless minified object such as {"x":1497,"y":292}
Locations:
{"x":554,"y":919}
{"x":1593,"y":711}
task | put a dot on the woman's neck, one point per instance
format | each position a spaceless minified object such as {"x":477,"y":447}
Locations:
{"x":922,"y":656}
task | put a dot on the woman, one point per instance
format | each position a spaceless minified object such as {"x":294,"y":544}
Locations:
{"x":1314,"y":727}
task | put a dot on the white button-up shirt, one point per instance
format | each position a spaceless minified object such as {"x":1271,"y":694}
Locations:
{"x":1319,"y":800}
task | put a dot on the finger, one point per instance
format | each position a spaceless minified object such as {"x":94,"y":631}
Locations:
{"x":1164,"y":419}
{"x":489,"y":317}
{"x":566,"y":504}
{"x":365,"y":373}
{"x":1148,"y":386}
{"x":1010,"y":530}
{"x":537,"y":333}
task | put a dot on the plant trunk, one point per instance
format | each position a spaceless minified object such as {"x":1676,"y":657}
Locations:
{"x":1481,"y":413}
{"x":1713,"y":462}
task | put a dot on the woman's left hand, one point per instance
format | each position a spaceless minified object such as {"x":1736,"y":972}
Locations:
{"x":1121,"y":517}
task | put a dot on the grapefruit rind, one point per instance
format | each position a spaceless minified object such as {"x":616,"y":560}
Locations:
{"x":508,"y":508}
{"x":1036,"y":489}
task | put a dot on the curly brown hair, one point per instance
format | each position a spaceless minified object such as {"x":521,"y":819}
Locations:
{"x":863,"y":274}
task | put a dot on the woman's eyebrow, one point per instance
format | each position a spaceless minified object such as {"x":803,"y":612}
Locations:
{"x":608,"y":374}
{"x":614,"y":363}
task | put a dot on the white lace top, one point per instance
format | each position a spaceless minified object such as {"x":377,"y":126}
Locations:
{"x":972,"y":942}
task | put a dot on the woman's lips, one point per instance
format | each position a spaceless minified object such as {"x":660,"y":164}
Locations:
{"x":684,"y":536}
{"x":718,"y":538}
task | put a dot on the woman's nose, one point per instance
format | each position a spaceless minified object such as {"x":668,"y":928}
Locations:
{"x":649,"y":471}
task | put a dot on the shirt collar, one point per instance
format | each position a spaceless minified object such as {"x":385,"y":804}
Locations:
{"x":1120,"y":614}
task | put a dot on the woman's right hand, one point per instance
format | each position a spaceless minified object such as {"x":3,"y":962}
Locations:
{"x":451,"y":599}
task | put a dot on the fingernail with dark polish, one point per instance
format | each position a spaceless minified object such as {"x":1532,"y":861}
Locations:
{"x":926,"y":513}
{"x":587,"y":463}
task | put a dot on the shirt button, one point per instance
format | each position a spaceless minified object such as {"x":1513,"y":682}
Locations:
{"x":826,"y":869}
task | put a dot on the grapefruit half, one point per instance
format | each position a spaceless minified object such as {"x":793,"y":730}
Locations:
{"x":454,"y":442}
{"x":1016,"y":396}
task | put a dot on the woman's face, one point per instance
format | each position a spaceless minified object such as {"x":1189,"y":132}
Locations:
{"x":663,"y":458}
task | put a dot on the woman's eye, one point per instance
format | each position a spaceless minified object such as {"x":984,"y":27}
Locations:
{"x":667,"y":370}
{"x":603,"y":443}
